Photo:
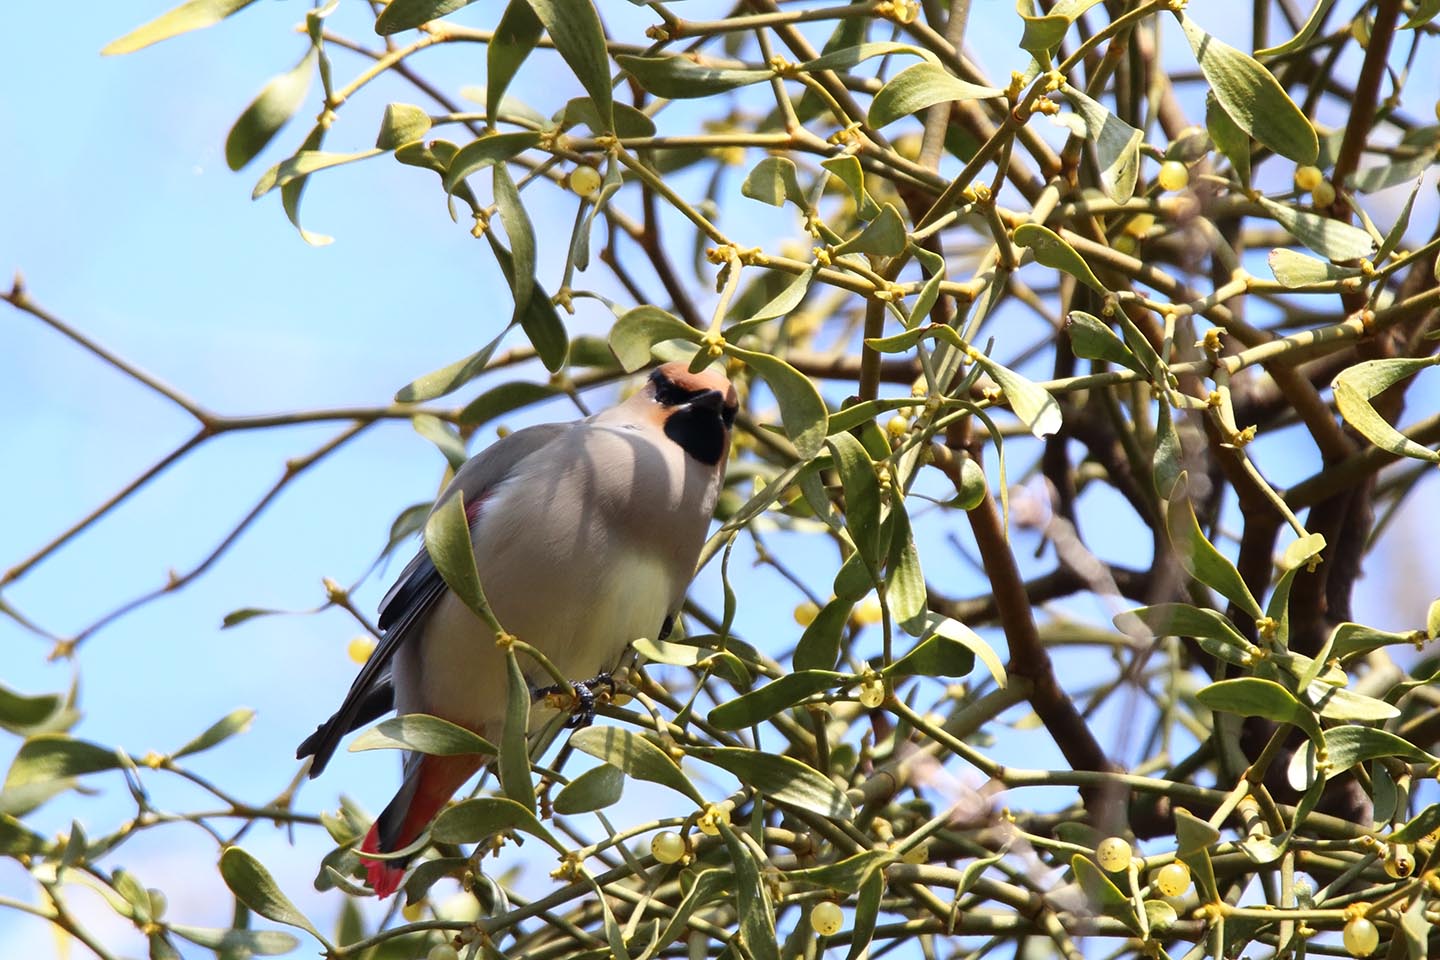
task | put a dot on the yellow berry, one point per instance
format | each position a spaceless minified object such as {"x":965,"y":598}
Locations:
{"x":1361,"y":937}
{"x":668,"y":846}
{"x":872,"y":693}
{"x":1399,"y":864}
{"x":1324,"y":194}
{"x":1308,"y":177}
{"x":1173,"y":176}
{"x":1114,"y":854}
{"x":1173,"y":879}
{"x":413,"y":911}
{"x":360,"y":649}
{"x":1140,"y":224}
{"x":442,"y":951}
{"x":806,"y":613}
{"x":869,"y":611}
{"x":897,"y":425}
{"x":826,"y":918}
{"x":920,"y":853}
{"x":585,"y":181}
{"x":1125,"y":244}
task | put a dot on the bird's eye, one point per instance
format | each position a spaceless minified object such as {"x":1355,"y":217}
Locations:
{"x":666,"y":393}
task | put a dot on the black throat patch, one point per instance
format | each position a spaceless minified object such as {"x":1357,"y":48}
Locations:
{"x":699,"y":432}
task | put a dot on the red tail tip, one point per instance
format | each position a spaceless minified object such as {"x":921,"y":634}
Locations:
{"x":383,"y":875}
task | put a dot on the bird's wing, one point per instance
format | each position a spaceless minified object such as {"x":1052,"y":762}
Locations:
{"x":415,"y":592}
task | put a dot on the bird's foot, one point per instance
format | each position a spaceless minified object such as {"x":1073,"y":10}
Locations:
{"x":582,"y":694}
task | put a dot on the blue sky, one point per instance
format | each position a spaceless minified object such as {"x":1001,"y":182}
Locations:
{"x":118,"y":208}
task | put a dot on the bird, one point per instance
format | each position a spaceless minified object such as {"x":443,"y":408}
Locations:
{"x":586,"y":536}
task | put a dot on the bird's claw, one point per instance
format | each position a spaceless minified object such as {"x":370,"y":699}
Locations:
{"x":584,"y":693}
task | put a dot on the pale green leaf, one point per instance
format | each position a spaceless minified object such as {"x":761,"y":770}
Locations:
{"x":194,"y":15}
{"x":268,"y":112}
{"x":919,"y":86}
{"x":1355,"y":387}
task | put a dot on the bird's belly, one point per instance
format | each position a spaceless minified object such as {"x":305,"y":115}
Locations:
{"x":582,"y":615}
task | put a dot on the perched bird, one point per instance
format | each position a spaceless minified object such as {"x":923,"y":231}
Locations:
{"x":586,"y":535}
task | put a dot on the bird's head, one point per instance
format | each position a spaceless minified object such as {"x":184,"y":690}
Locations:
{"x":696,"y":410}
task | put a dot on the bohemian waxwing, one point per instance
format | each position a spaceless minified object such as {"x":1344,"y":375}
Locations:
{"x":585,"y":534}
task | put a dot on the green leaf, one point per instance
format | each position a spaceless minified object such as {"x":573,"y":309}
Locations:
{"x":1347,"y":706}
{"x":1117,"y":145}
{"x":301,"y":165}
{"x":862,"y":496}
{"x":515,"y":37}
{"x":680,"y":78}
{"x":629,"y":122}
{"x":592,"y":790}
{"x":1102,"y":892}
{"x":789,"y":297}
{"x":636,"y":756}
{"x":264,"y":943}
{"x":445,"y":438}
{"x":447,"y":540}
{"x":491,"y":149}
{"x":905,"y":581}
{"x":867,"y":913}
{"x":846,"y":876}
{"x":1396,"y":233}
{"x":1233,"y":142}
{"x":1354,"y":388}
{"x":1425,"y":11}
{"x":471,"y":821}
{"x":752,"y":900}
{"x":522,"y":239}
{"x":514,"y":765}
{"x":639,"y":329}
{"x":1052,"y":251}
{"x":268,"y":112}
{"x":19,"y":713}
{"x":1254,"y":697}
{"x":760,"y":705}
{"x":1192,"y":834}
{"x":1044,"y":33}
{"x":1297,"y":269}
{"x":424,"y":734}
{"x":1374,"y":179}
{"x":1028,"y":401}
{"x":948,"y":650}
{"x":847,"y":170}
{"x":252,"y":884}
{"x":1307,"y":30}
{"x":401,"y":15}
{"x":540,"y":320}
{"x":819,"y":646}
{"x":291,"y":193}
{"x":884,"y":236}
{"x":449,"y":378}
{"x":1198,"y":555}
{"x":1092,"y":339}
{"x":780,"y":778}
{"x":773,"y":181}
{"x":1348,"y":745}
{"x":1217,"y":636}
{"x":1424,"y":822}
{"x":1252,"y":97}
{"x":1333,"y":239}
{"x":802,"y":409}
{"x":194,"y":15}
{"x":503,"y":399}
{"x":845,"y":58}
{"x":575,"y":28}
{"x":919,"y":86}
{"x":403,"y":123}
{"x":54,"y":756}
{"x":237,"y":721}
{"x":708,"y":885}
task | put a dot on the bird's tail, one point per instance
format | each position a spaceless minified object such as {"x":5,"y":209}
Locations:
{"x":428,"y":784}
